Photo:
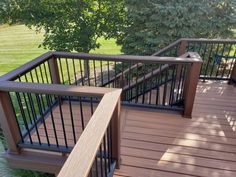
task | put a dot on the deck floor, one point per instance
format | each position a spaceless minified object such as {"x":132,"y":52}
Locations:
{"x":157,"y":144}
{"x":165,"y":144}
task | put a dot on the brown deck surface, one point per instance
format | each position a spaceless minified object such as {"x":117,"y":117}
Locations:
{"x":157,"y":144}
{"x":165,"y":144}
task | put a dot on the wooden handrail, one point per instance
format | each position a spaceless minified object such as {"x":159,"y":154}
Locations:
{"x":26,"y":67}
{"x":56,"y":89}
{"x":132,"y":58}
{"x":82,"y":156}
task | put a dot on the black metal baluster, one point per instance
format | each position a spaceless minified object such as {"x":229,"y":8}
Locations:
{"x":72,"y":119}
{"x":203,"y":58}
{"x":41,"y":100}
{"x":94,"y":73}
{"x":91,"y":105}
{"x":129,"y":82}
{"x":172,"y":88}
{"x":136,"y":81}
{"x":180,"y":82}
{"x":35,"y":115}
{"x":105,"y":154}
{"x":223,"y":72}
{"x":101,"y":72}
{"x":62,"y":120}
{"x":42,"y":118}
{"x":52,"y":117}
{"x":159,"y":80}
{"x":108,"y":148}
{"x":74,"y":70}
{"x":68,"y":72}
{"x":150,"y":94}
{"x":26,"y":104}
{"x":23,"y":116}
{"x":223,"y":49}
{"x":88,"y":73}
{"x":108,"y":71}
{"x":46,"y":73}
{"x":165,"y":88}
{"x":101,"y":160}
{"x":208,"y":62}
{"x":81,"y":72}
{"x":81,"y":113}
{"x":183,"y":81}
{"x":143,"y":83}
{"x":213,"y":65}
{"x":41,"y":73}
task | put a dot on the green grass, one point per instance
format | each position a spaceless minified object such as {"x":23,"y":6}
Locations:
{"x":19,"y":44}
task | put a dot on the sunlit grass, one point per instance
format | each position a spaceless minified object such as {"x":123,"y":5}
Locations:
{"x":19,"y":44}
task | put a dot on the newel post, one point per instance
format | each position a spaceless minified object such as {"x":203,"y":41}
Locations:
{"x":233,"y":74}
{"x":190,"y":87}
{"x":116,"y":138}
{"x":54,"y":71}
{"x":8,"y":123}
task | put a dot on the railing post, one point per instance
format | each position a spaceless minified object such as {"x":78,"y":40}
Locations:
{"x":8,"y":123}
{"x":182,"y":48}
{"x":190,"y":87}
{"x":182,"y":51}
{"x":54,"y":71}
{"x":115,"y":126}
{"x":233,"y":74}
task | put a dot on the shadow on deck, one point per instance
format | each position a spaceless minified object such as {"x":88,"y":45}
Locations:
{"x":158,"y":143}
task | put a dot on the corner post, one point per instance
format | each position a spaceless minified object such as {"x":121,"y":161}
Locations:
{"x":190,"y":87}
{"x":54,"y":71}
{"x":8,"y":123}
{"x":116,"y":138}
{"x":233,"y":74}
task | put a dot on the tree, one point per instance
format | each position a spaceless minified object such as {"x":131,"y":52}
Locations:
{"x":71,"y":25}
{"x":156,"y":23}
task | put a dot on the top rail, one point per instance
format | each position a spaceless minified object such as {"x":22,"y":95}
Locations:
{"x":82,"y":156}
{"x":134,"y":58}
{"x":152,"y":59}
{"x":26,"y":67}
{"x":57,"y":89}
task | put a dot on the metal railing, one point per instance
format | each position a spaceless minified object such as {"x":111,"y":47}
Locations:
{"x":218,"y":55}
{"x":146,"y":81}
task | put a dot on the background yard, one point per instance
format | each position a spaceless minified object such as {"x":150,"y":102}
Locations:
{"x":19,"y":44}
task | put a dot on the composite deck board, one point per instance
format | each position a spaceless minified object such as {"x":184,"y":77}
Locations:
{"x":157,"y":143}
{"x":164,"y":144}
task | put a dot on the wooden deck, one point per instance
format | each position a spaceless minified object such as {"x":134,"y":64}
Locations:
{"x":156,"y":143}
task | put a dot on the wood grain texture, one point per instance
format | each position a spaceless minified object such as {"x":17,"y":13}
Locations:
{"x":165,"y":144}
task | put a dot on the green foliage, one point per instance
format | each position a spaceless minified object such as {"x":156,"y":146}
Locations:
{"x":71,"y":25}
{"x":155,"y":23}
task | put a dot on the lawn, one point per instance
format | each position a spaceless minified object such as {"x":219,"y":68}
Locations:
{"x":19,"y":44}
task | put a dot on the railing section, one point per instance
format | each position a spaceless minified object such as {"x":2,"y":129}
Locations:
{"x":218,"y":55}
{"x":97,"y":150}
